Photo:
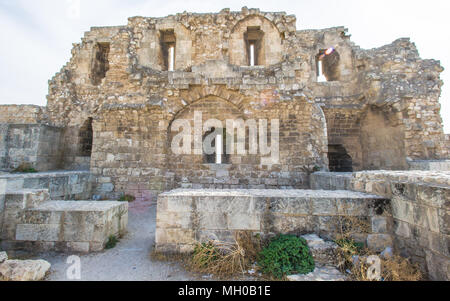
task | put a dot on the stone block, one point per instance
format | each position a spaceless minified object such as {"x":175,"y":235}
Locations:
{"x":324,"y":206}
{"x":240,"y":221}
{"x":78,"y":247}
{"x":379,"y":224}
{"x":174,"y":236}
{"x":212,"y":221}
{"x":379,"y":242}
{"x":37,"y":232}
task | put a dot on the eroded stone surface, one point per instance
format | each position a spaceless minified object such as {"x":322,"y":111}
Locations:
{"x":24,"y":270}
{"x":322,"y":251}
{"x":3,"y":257}
{"x":327,"y":273}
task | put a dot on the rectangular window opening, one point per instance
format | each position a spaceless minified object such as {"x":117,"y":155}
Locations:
{"x":168,"y":47}
{"x":253,"y":39}
{"x":100,"y":64}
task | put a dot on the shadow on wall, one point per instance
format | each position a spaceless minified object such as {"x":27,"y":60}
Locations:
{"x":340,"y":160}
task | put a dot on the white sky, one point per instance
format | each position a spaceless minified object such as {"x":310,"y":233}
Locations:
{"x":37,"y":35}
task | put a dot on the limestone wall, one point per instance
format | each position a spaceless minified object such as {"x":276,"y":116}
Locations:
{"x":36,"y":144}
{"x":420,"y":208}
{"x":21,"y":114}
{"x":60,"y":185}
{"x":2,"y":201}
{"x":189,"y":216}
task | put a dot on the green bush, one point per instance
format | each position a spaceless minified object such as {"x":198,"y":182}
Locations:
{"x":127,"y":198}
{"x":286,"y":255}
{"x":112,"y":242}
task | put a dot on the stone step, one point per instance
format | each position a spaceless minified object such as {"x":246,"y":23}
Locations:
{"x":322,"y":251}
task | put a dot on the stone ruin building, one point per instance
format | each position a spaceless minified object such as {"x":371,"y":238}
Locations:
{"x":342,"y":110}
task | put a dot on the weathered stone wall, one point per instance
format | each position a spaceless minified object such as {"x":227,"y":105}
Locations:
{"x":211,"y":55}
{"x":381,"y":105}
{"x":2,"y":201}
{"x":21,"y":114}
{"x":331,"y":181}
{"x":189,"y":216}
{"x":432,"y":165}
{"x":36,"y":144}
{"x":447,"y":142}
{"x":73,"y":185}
{"x":420,"y":208}
{"x":132,"y":145}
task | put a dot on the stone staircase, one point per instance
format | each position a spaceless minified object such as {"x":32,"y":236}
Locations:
{"x":34,"y":223}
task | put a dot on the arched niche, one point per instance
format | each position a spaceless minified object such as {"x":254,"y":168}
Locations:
{"x":265,"y":36}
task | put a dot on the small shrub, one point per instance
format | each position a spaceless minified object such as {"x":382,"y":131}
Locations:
{"x":127,"y":198}
{"x":286,"y":255}
{"x":112,"y":242}
{"x":25,"y":168}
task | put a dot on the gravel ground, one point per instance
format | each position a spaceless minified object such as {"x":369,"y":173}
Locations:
{"x":129,"y":260}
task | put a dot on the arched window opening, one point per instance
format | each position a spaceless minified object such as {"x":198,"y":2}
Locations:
{"x":168,"y":43}
{"x":327,"y":64}
{"x":220,"y":155}
{"x":253,"y":40}
{"x":340,"y":160}
{"x":86,"y":138}
{"x":100,"y":64}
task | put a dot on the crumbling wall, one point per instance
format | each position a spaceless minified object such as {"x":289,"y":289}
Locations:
{"x":211,"y":55}
{"x":398,"y":80}
{"x":382,"y":141}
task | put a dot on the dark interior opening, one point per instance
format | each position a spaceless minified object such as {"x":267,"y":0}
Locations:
{"x":330,"y":65}
{"x":100,"y":63}
{"x":168,"y":41}
{"x":340,"y":160}
{"x":253,"y":40}
{"x":211,"y":159}
{"x":86,"y":138}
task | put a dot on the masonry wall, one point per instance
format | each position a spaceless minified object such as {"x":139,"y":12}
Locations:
{"x":36,"y":144}
{"x":420,"y":208}
{"x":129,"y":152}
{"x":71,"y":185}
{"x":2,"y":201}
{"x":186,"y":217}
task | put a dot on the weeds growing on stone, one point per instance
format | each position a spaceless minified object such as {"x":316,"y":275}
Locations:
{"x":112,"y":242}
{"x":226,"y":259}
{"x":127,"y":198}
{"x":352,"y":256}
{"x":25,"y":168}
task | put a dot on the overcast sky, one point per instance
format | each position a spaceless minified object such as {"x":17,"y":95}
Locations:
{"x":37,"y":35}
